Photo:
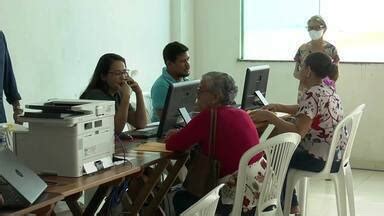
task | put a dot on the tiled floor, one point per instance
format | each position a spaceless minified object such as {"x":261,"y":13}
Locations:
{"x":369,"y":196}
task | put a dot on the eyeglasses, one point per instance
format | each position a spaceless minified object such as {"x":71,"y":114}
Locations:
{"x":124,"y":72}
{"x":315,"y":27}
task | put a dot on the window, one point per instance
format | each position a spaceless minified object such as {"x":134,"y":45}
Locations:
{"x":273,"y":30}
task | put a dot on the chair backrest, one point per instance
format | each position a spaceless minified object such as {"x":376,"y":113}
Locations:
{"x":206,"y":206}
{"x":345,"y":129}
{"x":278,"y":151}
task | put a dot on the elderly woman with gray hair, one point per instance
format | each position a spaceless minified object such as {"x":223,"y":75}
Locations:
{"x":235,"y":134}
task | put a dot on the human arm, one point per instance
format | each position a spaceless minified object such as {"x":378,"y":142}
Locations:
{"x":17,"y":111}
{"x":307,"y":111}
{"x":121,"y":114}
{"x":194,"y":132}
{"x":159,"y":92}
{"x":138,"y":117}
{"x":296,"y":72}
{"x":335,"y":59}
{"x":9,"y":82}
{"x":301,"y":125}
{"x":298,"y":64}
{"x":290,"y":109}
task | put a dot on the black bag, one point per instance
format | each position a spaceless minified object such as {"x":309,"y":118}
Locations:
{"x":203,"y":171}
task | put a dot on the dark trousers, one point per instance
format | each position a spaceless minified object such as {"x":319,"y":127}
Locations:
{"x":302,"y":160}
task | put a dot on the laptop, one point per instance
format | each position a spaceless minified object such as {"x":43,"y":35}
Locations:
{"x":152,"y":128}
{"x":19,"y":185}
{"x":147,"y":132}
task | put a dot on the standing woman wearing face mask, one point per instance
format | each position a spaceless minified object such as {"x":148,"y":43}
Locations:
{"x":316,"y":28}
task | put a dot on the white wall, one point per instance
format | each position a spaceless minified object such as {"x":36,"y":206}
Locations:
{"x":55,"y":45}
{"x":217,"y":44}
{"x":182,"y":27}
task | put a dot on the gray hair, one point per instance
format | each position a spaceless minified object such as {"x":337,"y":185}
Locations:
{"x":318,"y":19}
{"x":223,"y":85}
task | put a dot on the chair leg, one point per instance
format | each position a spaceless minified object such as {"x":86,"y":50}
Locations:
{"x":303,"y":192}
{"x":341,"y":194}
{"x":350,"y":193}
{"x":290,"y":186}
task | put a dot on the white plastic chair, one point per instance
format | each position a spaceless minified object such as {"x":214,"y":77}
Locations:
{"x":206,"y":206}
{"x":342,"y":179}
{"x":278,"y":151}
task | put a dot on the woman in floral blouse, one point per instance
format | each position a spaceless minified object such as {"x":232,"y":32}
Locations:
{"x":316,"y":115}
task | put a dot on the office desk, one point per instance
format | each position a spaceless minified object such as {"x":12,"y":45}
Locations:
{"x":71,"y":188}
{"x":42,"y":206}
{"x":160,"y":161}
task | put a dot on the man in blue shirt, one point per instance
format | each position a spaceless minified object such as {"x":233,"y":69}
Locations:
{"x":8,"y":83}
{"x":176,"y":69}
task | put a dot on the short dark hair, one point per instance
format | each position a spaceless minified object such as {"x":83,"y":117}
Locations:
{"x":102,"y":68}
{"x":172,"y":50}
{"x":321,"y":64}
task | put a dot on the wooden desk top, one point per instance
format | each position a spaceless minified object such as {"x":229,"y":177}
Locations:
{"x":143,"y":158}
{"x":137,"y":160}
{"x":44,"y":200}
{"x":71,"y":185}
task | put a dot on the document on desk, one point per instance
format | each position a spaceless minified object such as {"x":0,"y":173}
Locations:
{"x":281,"y":114}
{"x":152,"y":146}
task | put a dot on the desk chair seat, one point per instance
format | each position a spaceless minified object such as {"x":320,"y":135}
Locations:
{"x":341,"y":179}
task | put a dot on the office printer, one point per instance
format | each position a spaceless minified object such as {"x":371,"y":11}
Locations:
{"x":67,"y":137}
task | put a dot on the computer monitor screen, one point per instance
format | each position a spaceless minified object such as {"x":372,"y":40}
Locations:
{"x":256,"y":78}
{"x":182,"y":94}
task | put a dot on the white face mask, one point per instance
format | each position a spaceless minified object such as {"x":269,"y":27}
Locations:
{"x":316,"y":35}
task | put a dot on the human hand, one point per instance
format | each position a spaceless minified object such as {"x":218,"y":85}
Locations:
{"x":260,"y":115}
{"x":271,"y":107}
{"x":170,"y":133}
{"x":124,"y":89}
{"x":134,"y":85}
{"x":17,"y":111}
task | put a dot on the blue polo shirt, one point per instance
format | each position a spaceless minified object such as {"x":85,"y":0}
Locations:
{"x":159,"y":92}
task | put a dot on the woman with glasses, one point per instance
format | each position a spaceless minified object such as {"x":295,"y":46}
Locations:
{"x":111,"y":81}
{"x":316,"y":28}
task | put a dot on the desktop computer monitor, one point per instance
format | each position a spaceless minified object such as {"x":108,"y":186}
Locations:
{"x":256,"y":79}
{"x":180,"y":95}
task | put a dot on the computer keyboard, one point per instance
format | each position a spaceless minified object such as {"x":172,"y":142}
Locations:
{"x":143,"y":133}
